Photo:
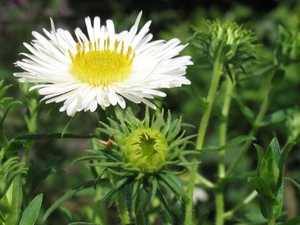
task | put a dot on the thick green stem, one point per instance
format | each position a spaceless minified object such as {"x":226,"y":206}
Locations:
{"x":223,"y":124}
{"x":121,"y":205}
{"x":122,"y":208}
{"x":217,"y":72}
{"x":223,"y":139}
{"x":271,"y":220}
{"x":219,"y":207}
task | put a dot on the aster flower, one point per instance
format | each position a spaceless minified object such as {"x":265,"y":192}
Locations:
{"x":102,"y":68}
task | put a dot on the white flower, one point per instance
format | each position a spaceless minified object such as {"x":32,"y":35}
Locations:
{"x":102,"y":68}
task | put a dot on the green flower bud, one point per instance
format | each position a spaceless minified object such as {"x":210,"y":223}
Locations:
{"x":288,"y":47}
{"x":146,"y":149}
{"x":226,"y":42}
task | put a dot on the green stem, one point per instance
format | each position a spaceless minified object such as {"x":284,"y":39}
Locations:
{"x":271,"y":220}
{"x":217,"y":72}
{"x":223,"y":139}
{"x":122,"y":208}
{"x":248,"y":199}
{"x":121,"y":205}
{"x":223,"y":124}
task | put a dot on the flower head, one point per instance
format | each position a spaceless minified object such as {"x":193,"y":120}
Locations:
{"x":147,"y":146}
{"x":227,"y":42}
{"x":102,"y":68}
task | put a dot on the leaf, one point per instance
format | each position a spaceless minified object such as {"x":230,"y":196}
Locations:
{"x":277,"y":116}
{"x":231,"y":143}
{"x":51,"y":136}
{"x":9,"y":171}
{"x":13,"y":147}
{"x":70,"y":193}
{"x":118,"y":186}
{"x":7,"y":109}
{"x":15,"y":196}
{"x":143,"y":196}
{"x":31,"y":212}
{"x":260,"y":156}
{"x":83,"y":223}
{"x":282,"y":161}
{"x":267,"y":198}
{"x":174,"y":184}
{"x":274,"y":148}
{"x":164,"y":203}
{"x":44,"y":173}
{"x":294,"y":182}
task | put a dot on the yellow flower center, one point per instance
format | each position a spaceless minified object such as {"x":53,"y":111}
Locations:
{"x":100,"y":68}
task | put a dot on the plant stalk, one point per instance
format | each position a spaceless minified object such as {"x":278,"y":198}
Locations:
{"x":223,"y":139}
{"x":217,"y":72}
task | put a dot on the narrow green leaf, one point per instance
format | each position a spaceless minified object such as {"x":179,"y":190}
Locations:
{"x":13,"y":147}
{"x":85,"y":158}
{"x":143,"y":196}
{"x":282,"y":161}
{"x":7,"y":109}
{"x":277,"y":116}
{"x":231,"y":143}
{"x":31,"y":212}
{"x":51,"y":136}
{"x":45,"y":171}
{"x":174,"y":184}
{"x":279,"y":196}
{"x":118,"y":186}
{"x":70,"y":193}
{"x":83,"y":223}
{"x":165,"y":204}
{"x":106,"y":164}
{"x":275,"y":148}
{"x":15,"y":195}
{"x":294,"y":182}
{"x":154,"y":187}
{"x":260,"y":156}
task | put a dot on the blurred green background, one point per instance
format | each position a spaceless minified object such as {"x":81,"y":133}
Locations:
{"x":170,"y":18}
